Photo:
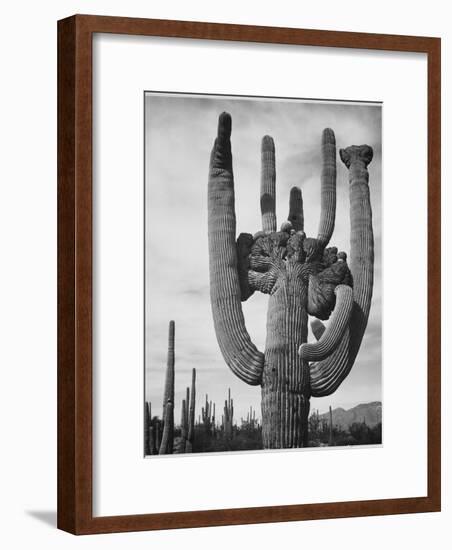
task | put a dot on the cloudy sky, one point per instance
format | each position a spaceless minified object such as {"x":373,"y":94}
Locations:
{"x":179,"y":133}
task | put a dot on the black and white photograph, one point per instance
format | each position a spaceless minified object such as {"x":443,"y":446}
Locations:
{"x":263,"y":273}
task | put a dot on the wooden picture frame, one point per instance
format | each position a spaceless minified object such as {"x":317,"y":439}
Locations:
{"x":75,"y":223}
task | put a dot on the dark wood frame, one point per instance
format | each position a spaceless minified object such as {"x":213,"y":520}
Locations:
{"x":75,"y":273}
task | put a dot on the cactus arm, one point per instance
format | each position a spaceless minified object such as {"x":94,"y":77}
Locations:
{"x":333,"y":335}
{"x":244,"y":244}
{"x":296,"y":216}
{"x":268,"y":182}
{"x":328,"y":187}
{"x":239,"y":353}
{"x":356,"y":159}
{"x":327,"y":375}
{"x":318,"y":328}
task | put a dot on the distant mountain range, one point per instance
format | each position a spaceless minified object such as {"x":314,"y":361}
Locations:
{"x":368,"y":412}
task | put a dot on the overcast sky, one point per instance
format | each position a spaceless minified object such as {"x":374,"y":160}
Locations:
{"x":179,"y":133}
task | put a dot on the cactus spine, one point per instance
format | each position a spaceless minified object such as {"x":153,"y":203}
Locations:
{"x":166,"y":445}
{"x":301,"y":275}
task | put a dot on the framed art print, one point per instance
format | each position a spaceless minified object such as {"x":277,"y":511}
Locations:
{"x":249,"y":274}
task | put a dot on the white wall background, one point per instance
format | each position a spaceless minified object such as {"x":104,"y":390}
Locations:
{"x":28,"y":273}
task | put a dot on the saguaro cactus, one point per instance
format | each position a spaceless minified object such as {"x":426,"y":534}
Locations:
{"x":228,"y":416}
{"x":302,"y":277}
{"x":183,"y":426}
{"x":166,"y":445}
{"x":191,"y":414}
{"x":207,"y":416}
{"x":330,"y":436}
{"x":147,"y":424}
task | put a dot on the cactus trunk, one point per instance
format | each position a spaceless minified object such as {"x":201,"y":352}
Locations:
{"x":146,"y":429}
{"x":166,"y":445}
{"x":152,"y":450}
{"x":191,"y":416}
{"x":285,"y":382}
{"x":330,"y":437}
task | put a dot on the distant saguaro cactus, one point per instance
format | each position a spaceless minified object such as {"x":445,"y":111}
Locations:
{"x":147,"y":424}
{"x":191,"y":415}
{"x":301,"y":275}
{"x":166,"y":444}
{"x":330,"y":435}
{"x":228,"y":416}
{"x":183,"y":426}
{"x":207,"y":415}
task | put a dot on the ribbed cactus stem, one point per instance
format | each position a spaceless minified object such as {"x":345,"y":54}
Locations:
{"x":168,"y":391}
{"x":328,"y":187}
{"x":191,"y":418}
{"x":332,"y":336}
{"x":166,"y":445}
{"x":206,"y":413}
{"x":330,"y":439}
{"x":146,"y":429}
{"x":152,"y":450}
{"x":232,"y":412}
{"x":228,"y":417}
{"x":268,"y":180}
{"x":183,"y":425}
{"x":157,"y":436}
{"x":296,"y":216}
{"x":151,"y":432}
{"x":327,"y":375}
{"x":357,"y":158}
{"x":285,"y":387}
{"x":187,"y":407}
{"x":240,"y":354}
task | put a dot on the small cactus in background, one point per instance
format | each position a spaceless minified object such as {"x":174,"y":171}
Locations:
{"x":147,"y":424}
{"x":301,"y":276}
{"x":151,"y":448}
{"x":214,"y":426}
{"x":330,"y":438}
{"x":251,"y":419}
{"x":228,"y":416}
{"x":166,"y":445}
{"x":158,"y":433}
{"x":183,"y":427}
{"x":207,"y":415}
{"x":152,"y":445}
{"x":191,"y":415}
{"x":150,"y":425}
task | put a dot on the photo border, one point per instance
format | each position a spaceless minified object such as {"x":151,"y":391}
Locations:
{"x":247,"y":97}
